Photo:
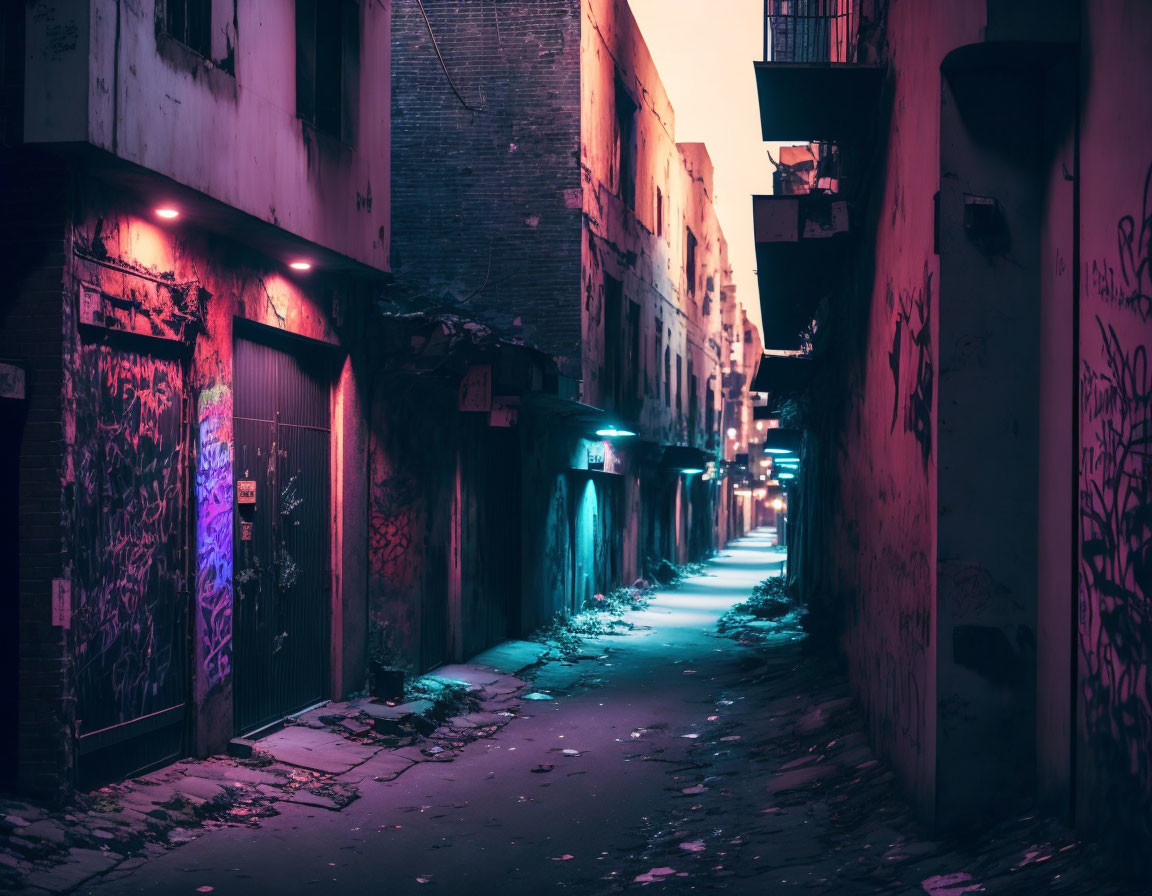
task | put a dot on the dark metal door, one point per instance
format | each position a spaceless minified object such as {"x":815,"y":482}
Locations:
{"x":502,"y":532}
{"x":130,"y":619}
{"x":282,"y":568}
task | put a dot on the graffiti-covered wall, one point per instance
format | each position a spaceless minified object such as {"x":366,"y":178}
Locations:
{"x":412,"y":476}
{"x":153,"y":463}
{"x":884,"y":531}
{"x":1115,"y":463}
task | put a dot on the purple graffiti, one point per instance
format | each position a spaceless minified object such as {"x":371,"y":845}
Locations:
{"x":214,"y":534}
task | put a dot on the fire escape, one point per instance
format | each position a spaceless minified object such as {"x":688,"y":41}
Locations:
{"x":814,"y":90}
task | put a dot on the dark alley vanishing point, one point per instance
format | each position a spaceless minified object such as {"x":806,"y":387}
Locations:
{"x":692,"y":752}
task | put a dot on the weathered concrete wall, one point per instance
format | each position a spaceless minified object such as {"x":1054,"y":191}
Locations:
{"x":100,"y":72}
{"x":1114,"y":773}
{"x":486,"y":199}
{"x":883,"y":543}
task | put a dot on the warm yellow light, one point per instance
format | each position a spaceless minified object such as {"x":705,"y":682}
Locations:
{"x":300,"y":265}
{"x":168,"y":213}
{"x":759,"y":426}
{"x":778,"y":504}
{"x":765,"y":463}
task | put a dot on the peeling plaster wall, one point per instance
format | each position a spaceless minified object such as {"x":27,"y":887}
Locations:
{"x":1114,"y":768}
{"x":112,"y":245}
{"x":882,"y":548}
{"x":100,"y":73}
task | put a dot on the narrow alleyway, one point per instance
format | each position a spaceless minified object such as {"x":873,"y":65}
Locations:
{"x":681,"y":759}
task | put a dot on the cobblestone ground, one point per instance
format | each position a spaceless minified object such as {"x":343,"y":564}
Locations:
{"x":693,"y":751}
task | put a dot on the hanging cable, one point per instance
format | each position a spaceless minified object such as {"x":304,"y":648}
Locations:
{"x":444,"y":65}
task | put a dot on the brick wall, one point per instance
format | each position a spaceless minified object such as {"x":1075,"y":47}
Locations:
{"x":34,"y":202}
{"x":485,"y":204}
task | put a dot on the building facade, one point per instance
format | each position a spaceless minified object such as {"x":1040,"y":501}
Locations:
{"x":189,"y":515}
{"x":540,"y":193}
{"x":979,"y":408}
{"x":278,"y":412}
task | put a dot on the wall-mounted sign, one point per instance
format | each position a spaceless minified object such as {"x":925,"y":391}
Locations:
{"x":245,"y":530}
{"x":505,"y":411}
{"x":596,"y":457}
{"x":246,"y":491}
{"x":476,"y":389}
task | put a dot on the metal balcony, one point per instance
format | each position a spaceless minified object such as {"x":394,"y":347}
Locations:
{"x":811,"y":83}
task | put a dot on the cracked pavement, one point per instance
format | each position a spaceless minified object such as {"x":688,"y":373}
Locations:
{"x":668,"y":757}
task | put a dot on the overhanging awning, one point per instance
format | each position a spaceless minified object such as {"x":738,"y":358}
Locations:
{"x":783,"y":375}
{"x":816,"y":100}
{"x":801,"y":249}
{"x":684,"y":457}
{"x":782,"y":440}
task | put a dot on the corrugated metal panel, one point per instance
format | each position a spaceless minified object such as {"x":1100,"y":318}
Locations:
{"x":282,"y":611}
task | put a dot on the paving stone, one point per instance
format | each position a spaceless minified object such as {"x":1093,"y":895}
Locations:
{"x":79,"y":866}
{"x":320,"y":751}
{"x":46,"y":829}
{"x":557,"y":677}
{"x":400,"y":711}
{"x":307,"y":798}
{"x":511,"y":657}
{"x":199,"y":788}
{"x":469,"y":674}
{"x":385,"y":766}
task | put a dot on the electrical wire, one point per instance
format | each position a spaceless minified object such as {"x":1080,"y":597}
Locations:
{"x":444,"y":65}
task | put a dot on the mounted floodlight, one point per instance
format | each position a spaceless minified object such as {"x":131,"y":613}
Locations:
{"x":300,"y":265}
{"x":167,"y":212}
{"x":611,"y":432}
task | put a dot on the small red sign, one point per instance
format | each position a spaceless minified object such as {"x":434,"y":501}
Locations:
{"x":246,"y":491}
{"x":245,"y":530}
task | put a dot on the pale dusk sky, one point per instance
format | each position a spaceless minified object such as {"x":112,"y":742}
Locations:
{"x":704,"y":52}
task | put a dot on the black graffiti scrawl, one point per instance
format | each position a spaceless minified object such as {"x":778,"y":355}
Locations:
{"x":129,"y":622}
{"x":910,"y":360}
{"x":1116,"y":534}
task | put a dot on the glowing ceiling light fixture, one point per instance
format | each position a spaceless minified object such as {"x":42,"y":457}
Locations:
{"x":612,"y":432}
{"x":167,"y":212}
{"x":778,"y":450}
{"x":692,"y":471}
{"x":300,"y":265}
{"x":786,"y":476}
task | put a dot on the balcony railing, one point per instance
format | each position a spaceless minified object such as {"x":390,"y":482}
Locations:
{"x":811,"y":30}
